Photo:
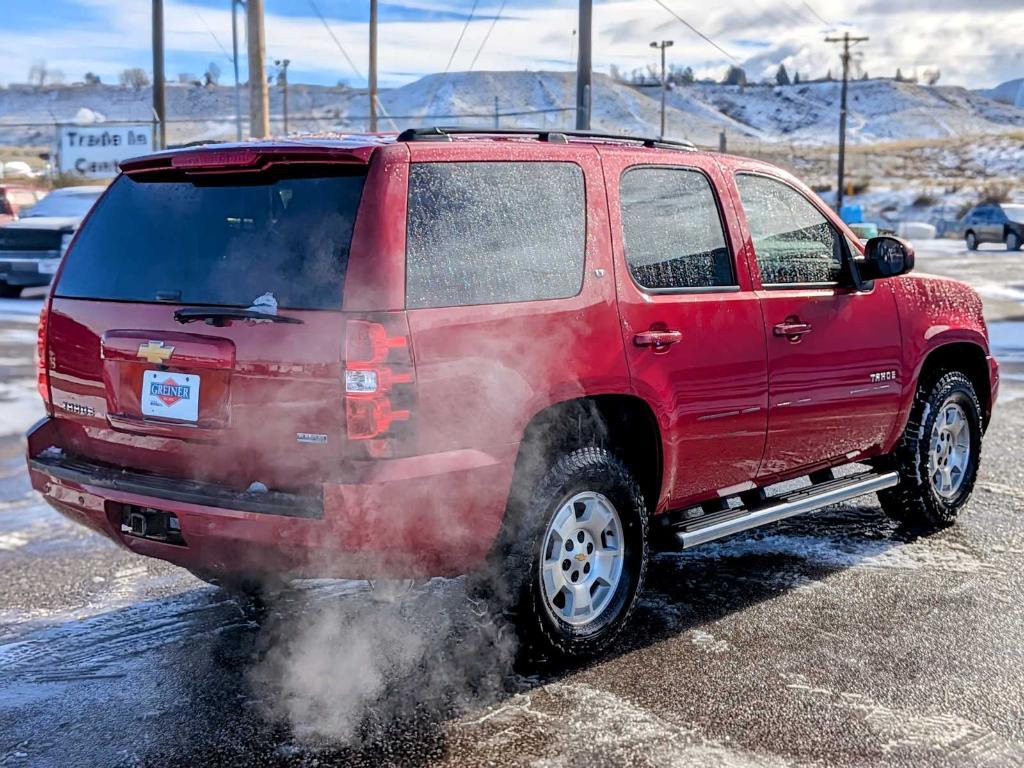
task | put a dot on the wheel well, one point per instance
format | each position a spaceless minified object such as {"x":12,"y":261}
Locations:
{"x":623,"y":424}
{"x":970,"y":360}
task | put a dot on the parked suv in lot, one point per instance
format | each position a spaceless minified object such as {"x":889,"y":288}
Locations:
{"x":526,"y":357}
{"x":31,"y":247}
{"x":995,"y":223}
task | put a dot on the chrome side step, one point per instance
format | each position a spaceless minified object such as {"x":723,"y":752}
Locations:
{"x":700,"y":531}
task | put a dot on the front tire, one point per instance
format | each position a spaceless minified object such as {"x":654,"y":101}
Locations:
{"x":938,"y":455}
{"x":971,"y":241}
{"x":571,"y":562}
{"x":1013,"y":241}
{"x":9,"y":291}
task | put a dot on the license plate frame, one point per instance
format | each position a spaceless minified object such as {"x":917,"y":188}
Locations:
{"x":170,"y":395}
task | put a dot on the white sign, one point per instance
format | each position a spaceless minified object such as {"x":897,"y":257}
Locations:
{"x":170,"y":395}
{"x":95,"y":150}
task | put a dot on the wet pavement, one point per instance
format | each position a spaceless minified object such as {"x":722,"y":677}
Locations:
{"x":833,"y":639}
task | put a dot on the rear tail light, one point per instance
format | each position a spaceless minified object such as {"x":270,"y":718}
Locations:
{"x":378,"y":379}
{"x":42,"y":365}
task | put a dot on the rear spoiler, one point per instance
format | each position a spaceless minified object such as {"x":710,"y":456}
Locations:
{"x":235,"y":158}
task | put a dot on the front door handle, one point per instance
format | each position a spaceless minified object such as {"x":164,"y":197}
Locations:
{"x":792,"y":328}
{"x":659,"y":341}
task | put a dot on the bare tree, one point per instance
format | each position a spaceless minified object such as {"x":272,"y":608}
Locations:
{"x":734,"y":76}
{"x":134,"y":77}
{"x":91,"y":78}
{"x":212,"y":74}
{"x":39,"y":73}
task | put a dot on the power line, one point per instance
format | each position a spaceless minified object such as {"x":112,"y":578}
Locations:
{"x":817,"y":15}
{"x":214,"y":36}
{"x":461,"y":35}
{"x":487,"y":36}
{"x":334,"y":37}
{"x":696,"y":31}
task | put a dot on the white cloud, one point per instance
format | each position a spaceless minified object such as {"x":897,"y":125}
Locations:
{"x":975,"y":44}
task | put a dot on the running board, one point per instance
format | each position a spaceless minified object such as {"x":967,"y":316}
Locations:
{"x":719,"y":525}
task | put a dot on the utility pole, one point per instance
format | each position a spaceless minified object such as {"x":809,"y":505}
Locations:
{"x":282,"y":80}
{"x":259,"y":109}
{"x":847,"y":42}
{"x":583,"y":66}
{"x":234,"y":60}
{"x":372,"y":77}
{"x":159,"y":98}
{"x":664,"y":83}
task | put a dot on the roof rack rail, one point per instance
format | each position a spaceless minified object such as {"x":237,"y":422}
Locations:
{"x":446,"y":133}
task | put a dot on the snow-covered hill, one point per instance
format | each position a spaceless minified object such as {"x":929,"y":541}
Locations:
{"x":1011,"y":92}
{"x":807,"y":113}
{"x":879,"y":111}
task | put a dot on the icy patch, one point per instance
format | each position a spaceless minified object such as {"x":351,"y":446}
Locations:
{"x":592,"y":723}
{"x":947,"y":733}
{"x":20,"y":406}
{"x":708,"y":642}
{"x":933,"y":554}
{"x":11,"y":541}
{"x":18,"y":336}
{"x":20,"y":310}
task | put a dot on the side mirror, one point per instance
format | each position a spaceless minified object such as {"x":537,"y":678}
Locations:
{"x":886,"y":256}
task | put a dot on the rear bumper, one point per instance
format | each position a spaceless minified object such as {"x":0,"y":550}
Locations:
{"x":24,"y":271}
{"x":432,"y":515}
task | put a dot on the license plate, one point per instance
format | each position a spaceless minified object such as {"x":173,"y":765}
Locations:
{"x":48,"y":266}
{"x":170,"y":395}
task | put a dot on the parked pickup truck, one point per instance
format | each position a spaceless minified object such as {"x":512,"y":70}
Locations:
{"x":526,"y":357}
{"x":31,"y":246}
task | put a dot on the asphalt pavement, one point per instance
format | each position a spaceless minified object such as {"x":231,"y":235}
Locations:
{"x":835,"y":639}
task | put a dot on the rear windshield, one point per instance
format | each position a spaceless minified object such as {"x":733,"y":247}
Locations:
{"x":216,"y":242}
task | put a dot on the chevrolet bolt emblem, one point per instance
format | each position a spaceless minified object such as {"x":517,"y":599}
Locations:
{"x":581,"y":557}
{"x":155,"y":352}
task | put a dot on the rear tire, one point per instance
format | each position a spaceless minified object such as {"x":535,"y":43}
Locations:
{"x":938,"y":455}
{"x":1013,"y":241}
{"x":971,"y":241}
{"x":9,"y":291}
{"x":588,"y":512}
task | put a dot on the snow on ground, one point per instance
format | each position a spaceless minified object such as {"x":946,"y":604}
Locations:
{"x":880,"y":110}
{"x":20,"y":406}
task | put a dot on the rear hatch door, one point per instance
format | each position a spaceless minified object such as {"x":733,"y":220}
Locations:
{"x":196,"y":328}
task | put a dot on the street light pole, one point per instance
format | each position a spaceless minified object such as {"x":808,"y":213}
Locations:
{"x":282,"y":80}
{"x":664,"y":83}
{"x":234,"y":59}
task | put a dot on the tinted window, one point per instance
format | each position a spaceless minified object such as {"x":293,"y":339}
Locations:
{"x":793,"y":241}
{"x":672,"y":231}
{"x":223,"y":243}
{"x":488,"y":233}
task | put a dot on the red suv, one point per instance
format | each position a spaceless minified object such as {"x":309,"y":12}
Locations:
{"x":529,"y":357}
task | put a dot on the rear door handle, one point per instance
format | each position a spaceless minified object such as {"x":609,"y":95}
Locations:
{"x":792,"y":328}
{"x":660,"y":341}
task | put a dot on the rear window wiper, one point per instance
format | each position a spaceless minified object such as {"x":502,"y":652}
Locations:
{"x":219,"y":316}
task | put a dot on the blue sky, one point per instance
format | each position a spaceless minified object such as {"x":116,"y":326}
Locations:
{"x":972,"y":43}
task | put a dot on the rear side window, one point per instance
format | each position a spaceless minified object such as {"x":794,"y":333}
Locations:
{"x":494,"y":232}
{"x":793,"y":241}
{"x":672,"y":231}
{"x":219,"y":242}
